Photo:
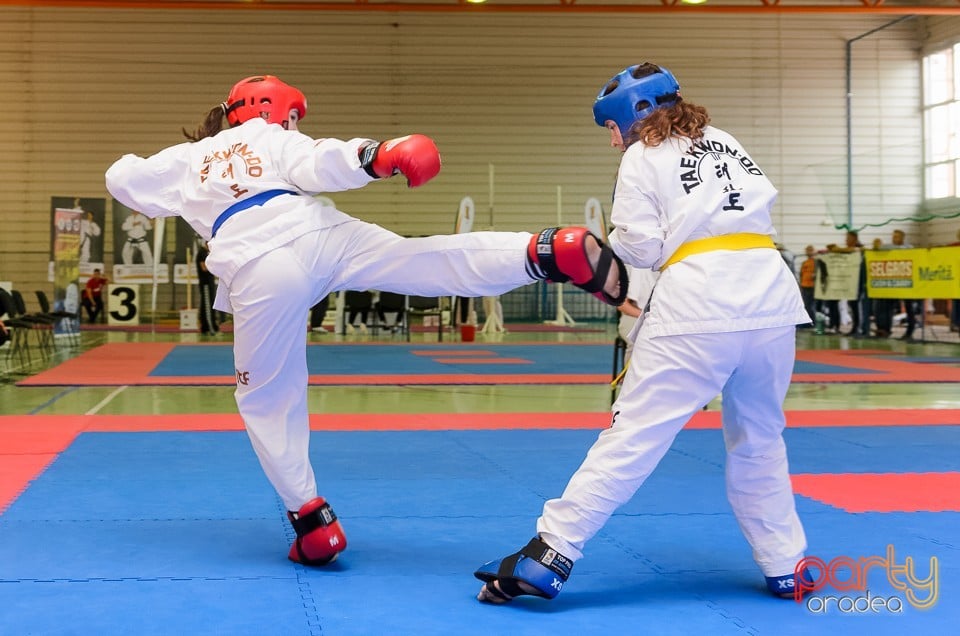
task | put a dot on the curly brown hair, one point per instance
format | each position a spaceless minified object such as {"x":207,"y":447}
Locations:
{"x":680,"y":119}
{"x":211,"y":125}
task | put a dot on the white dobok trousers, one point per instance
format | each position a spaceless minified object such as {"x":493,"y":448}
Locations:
{"x":670,"y":378}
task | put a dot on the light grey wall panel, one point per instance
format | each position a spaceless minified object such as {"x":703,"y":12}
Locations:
{"x":513,"y":91}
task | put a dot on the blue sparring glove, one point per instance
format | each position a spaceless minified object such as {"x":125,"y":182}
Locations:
{"x":536,"y":570}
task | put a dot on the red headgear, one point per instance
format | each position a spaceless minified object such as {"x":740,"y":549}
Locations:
{"x":263,"y":96}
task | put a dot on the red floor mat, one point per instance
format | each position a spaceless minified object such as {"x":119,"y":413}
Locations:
{"x":116,"y":364}
{"x":27,"y":446}
{"x":883,"y":492}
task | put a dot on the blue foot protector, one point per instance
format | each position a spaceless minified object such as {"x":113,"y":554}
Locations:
{"x":785,"y":586}
{"x":536,"y":570}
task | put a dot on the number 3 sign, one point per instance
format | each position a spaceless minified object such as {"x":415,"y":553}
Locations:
{"x":123,"y":307}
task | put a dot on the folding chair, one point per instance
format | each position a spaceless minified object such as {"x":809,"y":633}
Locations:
{"x":69,"y":322}
{"x":17,"y":329}
{"x":42,"y":324}
{"x":426,"y":306}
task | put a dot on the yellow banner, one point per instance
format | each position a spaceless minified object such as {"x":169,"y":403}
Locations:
{"x":914,"y":273}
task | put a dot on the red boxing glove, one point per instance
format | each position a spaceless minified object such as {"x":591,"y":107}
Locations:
{"x":415,"y":156}
{"x":577,"y":255}
{"x":320,"y":537}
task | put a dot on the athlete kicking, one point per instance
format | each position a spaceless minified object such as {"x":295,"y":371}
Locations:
{"x":691,"y":203}
{"x":246,"y":189}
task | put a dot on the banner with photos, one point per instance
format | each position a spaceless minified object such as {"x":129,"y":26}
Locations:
{"x":92,"y":229}
{"x":66,"y":262}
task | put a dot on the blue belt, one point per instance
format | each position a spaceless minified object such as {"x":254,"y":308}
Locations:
{"x":249,"y":202}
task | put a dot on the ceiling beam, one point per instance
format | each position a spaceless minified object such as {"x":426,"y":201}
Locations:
{"x":768,"y":7}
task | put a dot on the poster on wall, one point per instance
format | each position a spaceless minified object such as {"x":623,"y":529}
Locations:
{"x":92,"y":217}
{"x":133,"y":257}
{"x":66,"y":263}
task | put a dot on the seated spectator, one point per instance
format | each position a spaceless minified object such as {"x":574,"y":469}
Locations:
{"x":93,"y":295}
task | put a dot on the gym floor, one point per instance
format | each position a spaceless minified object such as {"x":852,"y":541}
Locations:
{"x":141,"y":506}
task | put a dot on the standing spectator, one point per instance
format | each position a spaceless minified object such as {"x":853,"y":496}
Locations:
{"x":879,"y":306}
{"x":207,"y":288}
{"x":808,"y":284}
{"x":382,"y":318}
{"x":93,"y":295}
{"x":910,"y":306}
{"x":861,"y":306}
{"x":885,"y":308}
{"x":852,"y":244}
{"x":317,"y":314}
{"x":830,"y":307}
{"x":955,"y":303}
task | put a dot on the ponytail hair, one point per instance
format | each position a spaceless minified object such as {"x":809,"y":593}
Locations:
{"x":211,"y":125}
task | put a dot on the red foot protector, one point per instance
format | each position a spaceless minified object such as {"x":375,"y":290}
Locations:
{"x":320,"y":537}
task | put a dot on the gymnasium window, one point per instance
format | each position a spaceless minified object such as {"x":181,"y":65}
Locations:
{"x":941,"y":122}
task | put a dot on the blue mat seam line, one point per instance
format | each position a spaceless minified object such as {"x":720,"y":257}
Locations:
{"x":653,"y":565}
{"x":309,"y":604}
{"x":735,"y":620}
{"x":148,"y":579}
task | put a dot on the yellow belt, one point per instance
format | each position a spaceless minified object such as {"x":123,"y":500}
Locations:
{"x":742,"y":241}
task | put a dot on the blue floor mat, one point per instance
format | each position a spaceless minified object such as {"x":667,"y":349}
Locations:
{"x":353,"y":360}
{"x":179,"y":533}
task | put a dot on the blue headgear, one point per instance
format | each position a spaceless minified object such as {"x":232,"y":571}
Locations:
{"x":634,"y":93}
